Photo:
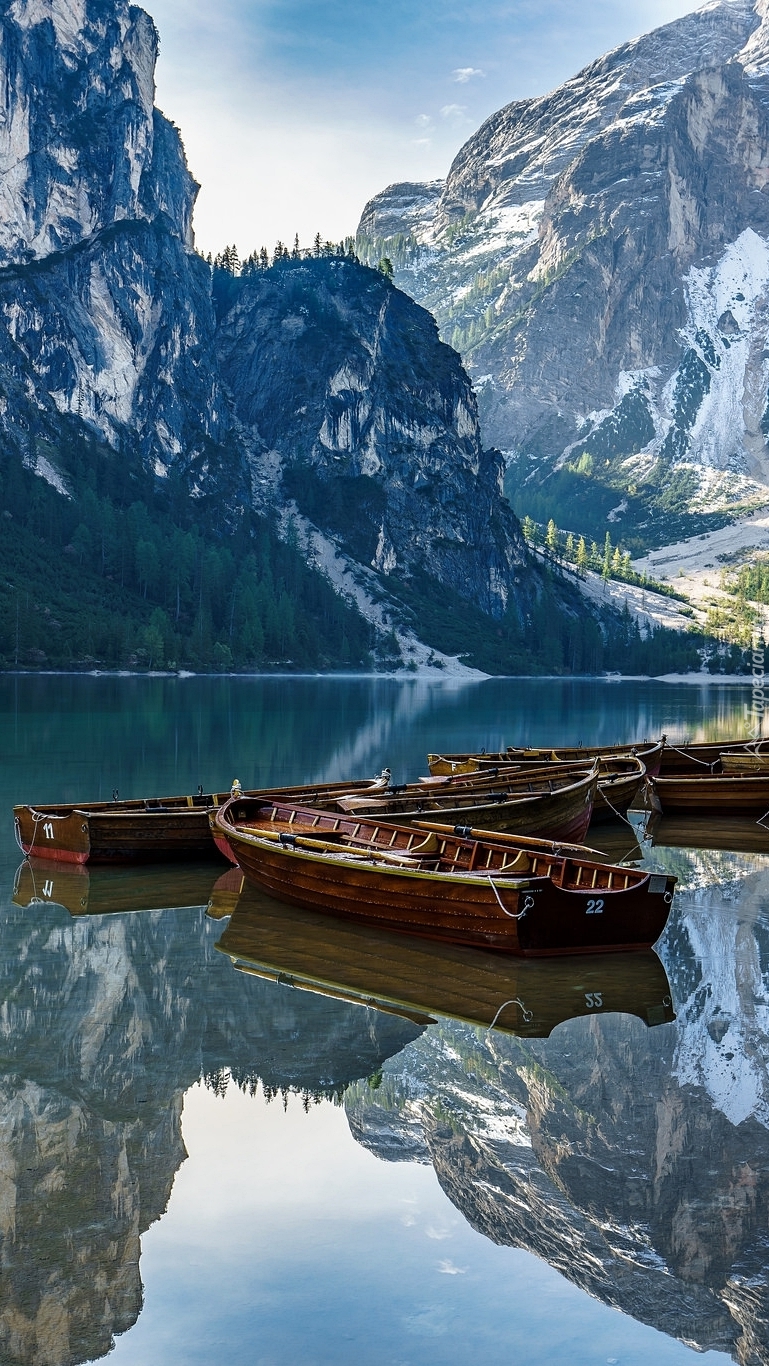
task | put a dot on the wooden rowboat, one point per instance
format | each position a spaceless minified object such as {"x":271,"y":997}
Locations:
{"x":524,"y":896}
{"x":142,"y":830}
{"x":690,"y":759}
{"x":542,"y":803}
{"x":744,"y":761}
{"x":429,"y":981}
{"x":620,"y":781}
{"x":719,"y":794}
{"x":447,"y":765}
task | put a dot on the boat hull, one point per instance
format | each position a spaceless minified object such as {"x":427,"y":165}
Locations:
{"x":457,"y":765}
{"x":136,"y":831}
{"x":532,"y":918}
{"x":561,"y":815}
{"x":719,"y":794}
{"x":84,"y":836}
{"x":614,"y":799}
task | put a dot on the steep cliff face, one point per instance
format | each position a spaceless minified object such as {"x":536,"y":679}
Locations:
{"x":370,"y":424}
{"x":342,"y":415}
{"x":600,"y":257}
{"x":105,"y":312}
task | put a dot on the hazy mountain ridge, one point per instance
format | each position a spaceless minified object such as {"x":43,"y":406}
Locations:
{"x":598,"y":256}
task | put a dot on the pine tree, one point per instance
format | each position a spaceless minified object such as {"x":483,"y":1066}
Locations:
{"x":317,"y":245}
{"x":569,"y":550}
{"x":296,"y":253}
{"x":581,"y":554}
{"x":606,"y":566}
{"x":551,"y":537}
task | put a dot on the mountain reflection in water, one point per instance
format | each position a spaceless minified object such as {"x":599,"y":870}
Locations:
{"x":624,"y":1148}
{"x":105,"y":1023}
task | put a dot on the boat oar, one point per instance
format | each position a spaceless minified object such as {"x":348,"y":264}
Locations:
{"x":553,"y":847}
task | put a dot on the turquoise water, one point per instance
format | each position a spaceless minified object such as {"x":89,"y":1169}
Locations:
{"x":200,"y":1165}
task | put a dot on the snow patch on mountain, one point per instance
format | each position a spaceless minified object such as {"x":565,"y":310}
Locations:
{"x":724,"y":1024}
{"x":725,"y":302}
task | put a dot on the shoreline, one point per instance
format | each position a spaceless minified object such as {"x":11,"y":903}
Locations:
{"x":399,"y":676}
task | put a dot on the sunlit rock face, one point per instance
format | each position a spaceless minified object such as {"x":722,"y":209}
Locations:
{"x":104,"y":1024}
{"x":342,"y":379}
{"x":634,"y":1160}
{"x":105,"y":311}
{"x":108,"y":328}
{"x":600,"y":255}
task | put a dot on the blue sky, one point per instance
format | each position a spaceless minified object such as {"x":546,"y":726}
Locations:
{"x":294,"y":113}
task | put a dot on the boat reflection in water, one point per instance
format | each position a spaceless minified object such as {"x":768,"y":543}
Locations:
{"x":421,"y":979}
{"x":731,"y":834}
{"x":109,"y":891}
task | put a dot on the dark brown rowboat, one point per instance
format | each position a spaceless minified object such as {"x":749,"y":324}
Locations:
{"x":524,"y":896}
{"x":447,"y":765}
{"x":689,"y":759}
{"x":543,"y":803}
{"x":620,"y":781}
{"x":717,"y":794}
{"x":419,"y":979}
{"x":135,"y":831}
{"x":547,"y":804}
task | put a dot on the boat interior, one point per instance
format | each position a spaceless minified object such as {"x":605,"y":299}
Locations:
{"x":426,"y":847}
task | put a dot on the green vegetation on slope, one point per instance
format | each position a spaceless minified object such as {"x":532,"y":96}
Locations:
{"x":133,"y":572}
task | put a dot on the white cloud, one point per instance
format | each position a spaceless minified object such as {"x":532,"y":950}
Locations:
{"x":463,"y":74}
{"x":423,"y":121}
{"x":449,"y":1269}
{"x":453,"y":111}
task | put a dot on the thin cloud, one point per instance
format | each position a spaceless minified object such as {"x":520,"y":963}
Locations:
{"x":423,"y":121}
{"x":463,"y":74}
{"x":449,"y":1269}
{"x":453,"y":111}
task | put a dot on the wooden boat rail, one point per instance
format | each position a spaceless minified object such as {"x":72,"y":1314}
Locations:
{"x":432,"y":847}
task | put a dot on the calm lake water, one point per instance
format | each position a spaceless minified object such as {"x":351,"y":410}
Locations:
{"x":200,"y":1164}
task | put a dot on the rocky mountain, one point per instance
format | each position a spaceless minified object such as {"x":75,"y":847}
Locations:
{"x":354,"y":408}
{"x":316,"y":397}
{"x":632,"y":1159}
{"x":600,"y":257}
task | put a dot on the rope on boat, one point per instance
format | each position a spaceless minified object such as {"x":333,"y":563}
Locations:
{"x":686,"y":755}
{"x":614,"y":809}
{"x":528,"y":1015}
{"x":502,"y":907}
{"x":37,"y":817}
{"x":761,"y":820}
